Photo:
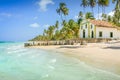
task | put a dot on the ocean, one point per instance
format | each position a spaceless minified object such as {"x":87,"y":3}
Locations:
{"x":19,"y":63}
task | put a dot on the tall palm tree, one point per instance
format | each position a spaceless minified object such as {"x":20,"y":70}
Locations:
{"x":92,"y":4}
{"x":117,"y":4}
{"x":98,"y":2}
{"x":116,"y":18}
{"x":50,"y":32}
{"x":84,"y":4}
{"x":104,"y":17}
{"x":109,"y":19}
{"x":57,"y":24}
{"x":46,"y":34}
{"x":103,"y":4}
{"x":89,"y":15}
{"x":80,"y":14}
{"x":57,"y":35}
{"x":106,"y":3}
{"x":62,"y":10}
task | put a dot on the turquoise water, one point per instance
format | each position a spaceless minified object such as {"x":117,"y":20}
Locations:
{"x":19,"y":63}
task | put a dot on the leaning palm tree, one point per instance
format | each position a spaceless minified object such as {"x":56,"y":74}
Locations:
{"x":84,"y":4}
{"x":62,"y":10}
{"x":92,"y":4}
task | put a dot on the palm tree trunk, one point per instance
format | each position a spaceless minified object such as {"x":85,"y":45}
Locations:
{"x":65,"y":18}
{"x":104,"y":10}
{"x":61,"y":17}
{"x":92,"y":12}
{"x":84,"y":10}
{"x":98,"y":11}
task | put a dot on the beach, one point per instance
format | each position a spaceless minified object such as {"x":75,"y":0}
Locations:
{"x":105,"y":56}
{"x":20,"y":63}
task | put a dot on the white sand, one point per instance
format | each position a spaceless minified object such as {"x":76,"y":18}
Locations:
{"x":101,"y":55}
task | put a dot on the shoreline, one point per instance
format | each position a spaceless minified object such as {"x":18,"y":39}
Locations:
{"x":100,"y":55}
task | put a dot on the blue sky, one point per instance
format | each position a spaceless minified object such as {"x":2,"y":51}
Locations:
{"x":21,"y":20}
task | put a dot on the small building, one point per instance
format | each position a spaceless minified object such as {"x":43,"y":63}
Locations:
{"x":99,"y":29}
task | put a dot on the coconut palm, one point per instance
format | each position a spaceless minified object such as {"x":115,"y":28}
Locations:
{"x":116,"y":18}
{"x":106,"y":4}
{"x":50,"y":32}
{"x":117,"y":4}
{"x":57,"y":24}
{"x":92,"y":4}
{"x":80,"y":14}
{"x":104,"y":17}
{"x":84,"y":4}
{"x":89,"y":15}
{"x":62,"y":10}
{"x":98,"y":2}
{"x":109,"y":18}
{"x":57,"y":35}
{"x":103,"y":4}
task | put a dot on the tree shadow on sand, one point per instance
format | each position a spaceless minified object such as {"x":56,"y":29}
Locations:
{"x":113,"y":47}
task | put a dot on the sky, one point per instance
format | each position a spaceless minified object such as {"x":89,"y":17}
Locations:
{"x":21,"y":20}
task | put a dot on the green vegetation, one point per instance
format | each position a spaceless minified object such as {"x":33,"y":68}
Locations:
{"x":70,"y":28}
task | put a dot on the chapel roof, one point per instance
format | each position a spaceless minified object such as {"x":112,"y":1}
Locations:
{"x":100,"y":23}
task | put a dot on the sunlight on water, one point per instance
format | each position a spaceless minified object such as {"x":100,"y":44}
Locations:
{"x":19,"y":63}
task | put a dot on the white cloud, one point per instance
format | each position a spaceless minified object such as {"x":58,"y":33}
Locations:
{"x":43,"y":4}
{"x":111,"y":13}
{"x":76,"y":17}
{"x":96,"y":16}
{"x":100,"y":14}
{"x":35,"y":25}
{"x":6,"y":14}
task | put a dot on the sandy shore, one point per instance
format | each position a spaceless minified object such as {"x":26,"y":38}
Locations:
{"x":101,"y":55}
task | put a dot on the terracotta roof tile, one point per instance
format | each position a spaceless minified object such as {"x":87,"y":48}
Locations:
{"x":100,"y":23}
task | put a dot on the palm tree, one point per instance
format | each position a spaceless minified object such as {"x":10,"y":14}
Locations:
{"x":92,"y":4}
{"x":46,"y":34}
{"x":104,"y":17}
{"x":117,"y":4}
{"x":84,"y":4}
{"x":109,"y":19}
{"x":103,"y":3}
{"x":89,"y":15}
{"x":50,"y":32}
{"x":106,"y":4}
{"x":80,"y":14}
{"x":98,"y":2}
{"x":116,"y":18}
{"x":57,"y":35}
{"x":57,"y":24}
{"x":62,"y":10}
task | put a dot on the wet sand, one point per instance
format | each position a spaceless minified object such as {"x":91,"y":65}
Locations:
{"x":101,"y":55}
